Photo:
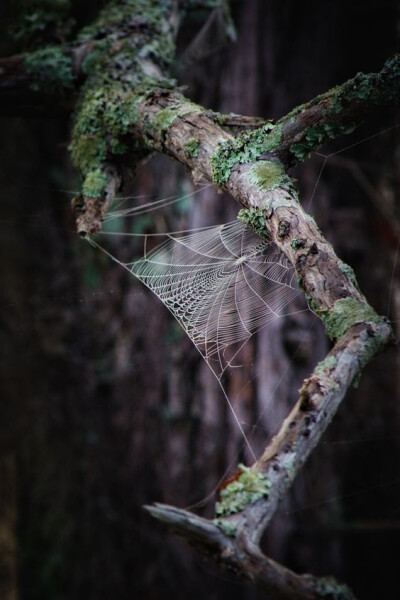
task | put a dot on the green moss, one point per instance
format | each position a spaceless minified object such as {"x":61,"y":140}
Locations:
{"x":165,"y":117}
{"x":349,"y":272}
{"x":345,"y":313}
{"x":294,"y":243}
{"x":142,"y":14}
{"x":269,"y":175}
{"x":374,"y":341}
{"x":191,"y":148}
{"x":365,"y":90}
{"x":226,"y":526}
{"x":248,"y":488}
{"x":220,"y":118}
{"x":102,"y":122}
{"x":315,"y":136}
{"x":121,"y":71}
{"x":310,"y":301}
{"x":254,"y":218}
{"x":94,"y":184}
{"x":245,"y":148}
{"x":51,"y":70}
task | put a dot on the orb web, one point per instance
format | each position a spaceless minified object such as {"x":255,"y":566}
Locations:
{"x":222,"y":284}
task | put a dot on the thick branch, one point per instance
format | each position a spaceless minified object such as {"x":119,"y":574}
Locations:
{"x":332,"y":291}
{"x":127,"y":105}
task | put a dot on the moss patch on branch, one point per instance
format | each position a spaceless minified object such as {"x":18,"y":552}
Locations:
{"x":249,"y":487}
{"x":245,"y":148}
{"x":132,"y":47}
{"x":362,"y":92}
{"x":191,"y":148}
{"x":164,"y":118}
{"x":94,"y":184}
{"x":269,"y":175}
{"x":325,"y":365}
{"x":345,"y":313}
{"x":51,"y":70}
{"x":349,"y":272}
{"x":226,"y":526}
{"x":254,"y":218}
{"x":314,"y":136}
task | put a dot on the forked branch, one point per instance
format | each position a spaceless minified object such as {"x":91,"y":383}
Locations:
{"x":129,"y":107}
{"x":245,"y":560}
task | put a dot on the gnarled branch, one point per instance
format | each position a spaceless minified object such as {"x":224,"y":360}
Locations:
{"x":129,"y":106}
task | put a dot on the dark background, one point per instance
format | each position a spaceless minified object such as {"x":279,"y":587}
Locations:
{"x":105,"y":406}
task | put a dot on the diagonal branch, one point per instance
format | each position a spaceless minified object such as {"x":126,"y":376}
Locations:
{"x":129,"y":107}
{"x":263,"y":187}
{"x":338,"y":111}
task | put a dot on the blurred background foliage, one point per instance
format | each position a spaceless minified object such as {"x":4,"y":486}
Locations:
{"x":106,"y":406}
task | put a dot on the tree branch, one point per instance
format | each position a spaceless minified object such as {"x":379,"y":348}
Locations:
{"x":338,"y":111}
{"x":161,"y":119}
{"x":128,"y":106}
{"x":43,"y":81}
{"x":246,"y":561}
{"x":330,"y":286}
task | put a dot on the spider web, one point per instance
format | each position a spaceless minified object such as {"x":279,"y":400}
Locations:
{"x":221,"y":283}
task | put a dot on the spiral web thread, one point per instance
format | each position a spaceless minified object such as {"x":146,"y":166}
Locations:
{"x":222,"y":284}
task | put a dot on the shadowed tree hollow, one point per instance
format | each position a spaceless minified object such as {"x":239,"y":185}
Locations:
{"x":110,"y":406}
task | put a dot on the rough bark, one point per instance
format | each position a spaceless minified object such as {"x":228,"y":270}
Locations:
{"x":163,"y":120}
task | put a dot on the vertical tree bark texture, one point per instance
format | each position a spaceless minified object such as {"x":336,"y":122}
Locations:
{"x":106,"y":404}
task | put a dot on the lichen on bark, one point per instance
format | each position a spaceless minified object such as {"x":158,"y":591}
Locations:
{"x":50,"y":69}
{"x":249,"y":487}
{"x":345,"y":313}
{"x":245,"y":148}
{"x":132,"y":48}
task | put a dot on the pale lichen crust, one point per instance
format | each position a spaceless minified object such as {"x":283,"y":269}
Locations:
{"x":249,"y":487}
